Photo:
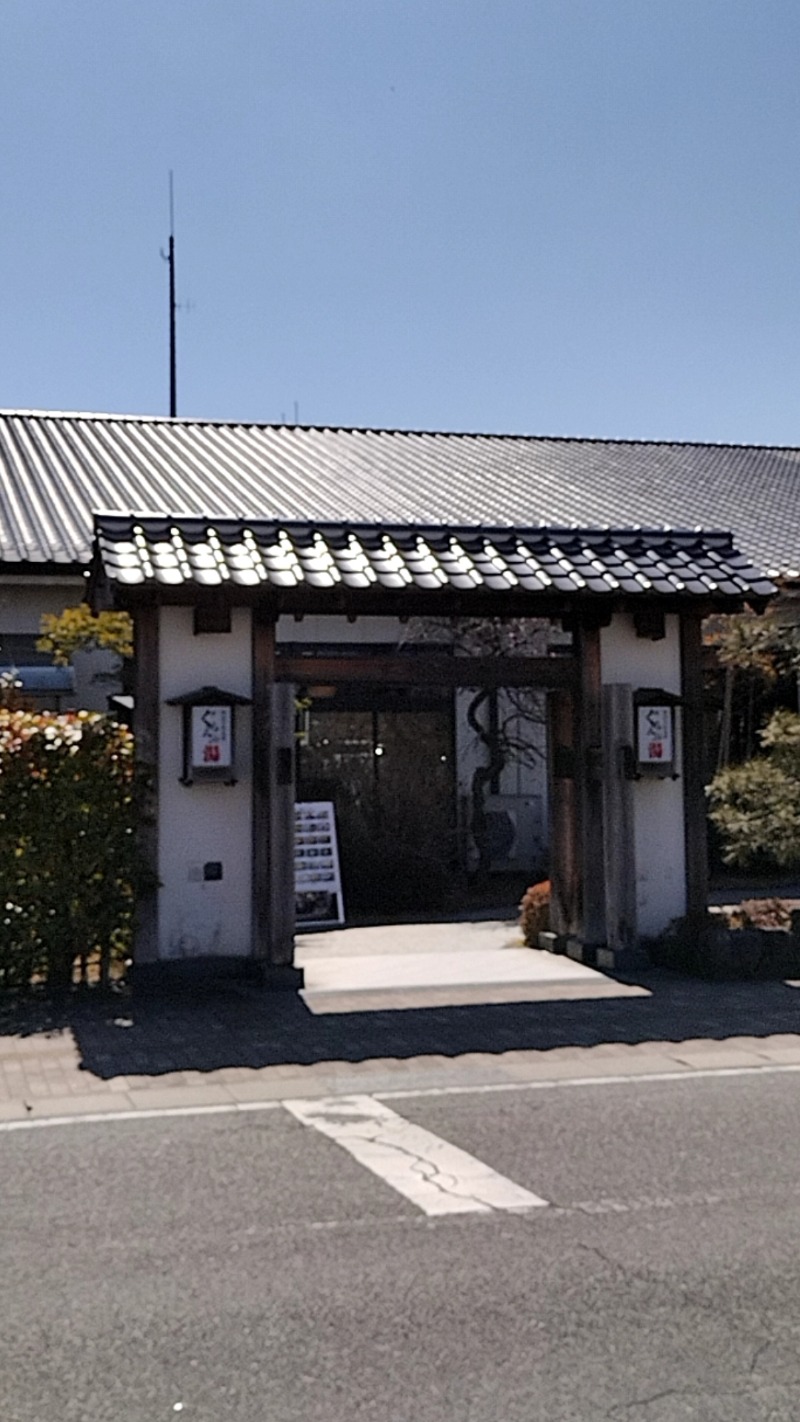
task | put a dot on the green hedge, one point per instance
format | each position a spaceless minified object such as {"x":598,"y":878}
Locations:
{"x":71,"y":800}
{"x":756,"y":806}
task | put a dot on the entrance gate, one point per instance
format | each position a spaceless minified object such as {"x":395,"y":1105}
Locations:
{"x":554,"y":674}
{"x":389,"y":769}
{"x":627,"y":844}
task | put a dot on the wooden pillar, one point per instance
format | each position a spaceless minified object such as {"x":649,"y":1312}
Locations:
{"x":618,"y":828}
{"x":146,"y":730}
{"x":281,"y":832}
{"x":565,"y":895}
{"x":263,"y":635}
{"x":592,"y":932}
{"x":694,"y":799}
{"x":273,"y":812}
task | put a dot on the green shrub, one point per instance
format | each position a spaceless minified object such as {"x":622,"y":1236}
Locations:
{"x":756,"y":806}
{"x":71,"y":799}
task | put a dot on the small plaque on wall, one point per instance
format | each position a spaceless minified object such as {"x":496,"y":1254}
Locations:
{"x":317,"y":878}
{"x":209,"y":734}
{"x":656,"y":735}
{"x":212,"y":741}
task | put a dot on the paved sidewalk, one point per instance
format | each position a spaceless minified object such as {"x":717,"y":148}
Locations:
{"x":239,"y":1044}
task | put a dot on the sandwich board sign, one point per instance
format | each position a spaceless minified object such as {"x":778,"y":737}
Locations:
{"x":317,"y":877}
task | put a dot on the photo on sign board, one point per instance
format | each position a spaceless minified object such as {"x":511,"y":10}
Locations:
{"x":317,"y":879}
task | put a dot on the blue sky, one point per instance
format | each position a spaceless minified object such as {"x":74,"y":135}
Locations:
{"x":575,"y":217}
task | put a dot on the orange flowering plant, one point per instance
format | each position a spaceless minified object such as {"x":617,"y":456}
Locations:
{"x":71,"y":800}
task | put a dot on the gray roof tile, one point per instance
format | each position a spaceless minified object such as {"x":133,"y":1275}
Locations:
{"x":137,"y":551}
{"x":56,"y":470}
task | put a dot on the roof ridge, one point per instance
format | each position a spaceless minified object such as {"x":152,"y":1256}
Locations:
{"x":417,"y":526}
{"x":504,"y":435}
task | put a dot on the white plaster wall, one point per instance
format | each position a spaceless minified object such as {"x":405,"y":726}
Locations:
{"x":210,"y":822}
{"x":658,"y":804}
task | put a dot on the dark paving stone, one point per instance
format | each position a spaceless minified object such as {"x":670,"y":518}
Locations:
{"x":206,"y":1030}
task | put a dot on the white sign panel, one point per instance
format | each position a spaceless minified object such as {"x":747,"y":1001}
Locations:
{"x":212,"y":743}
{"x":655,"y":735}
{"x":317,"y":877}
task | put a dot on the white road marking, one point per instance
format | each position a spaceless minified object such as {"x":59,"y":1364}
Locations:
{"x":224,"y":1108}
{"x":617,"y":1079}
{"x":438,"y":1177}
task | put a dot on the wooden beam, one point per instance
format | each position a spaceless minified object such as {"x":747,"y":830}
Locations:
{"x":263,"y":669}
{"x":618,"y":822}
{"x":694,"y":798}
{"x":429,"y":669}
{"x":593,"y":916}
{"x":273,"y":812}
{"x":281,"y":910}
{"x":304,"y":601}
{"x":146,"y":730}
{"x":564,"y":858}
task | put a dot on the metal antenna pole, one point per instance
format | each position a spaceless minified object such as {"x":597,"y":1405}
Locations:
{"x":173,"y":382}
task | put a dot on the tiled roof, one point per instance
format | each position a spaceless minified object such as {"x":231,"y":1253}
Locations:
{"x":56,"y":470}
{"x":135,"y":552}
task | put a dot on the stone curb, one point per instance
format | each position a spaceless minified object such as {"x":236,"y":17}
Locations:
{"x":410,"y":1075}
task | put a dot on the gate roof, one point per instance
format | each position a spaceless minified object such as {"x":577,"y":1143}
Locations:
{"x":328,"y":566}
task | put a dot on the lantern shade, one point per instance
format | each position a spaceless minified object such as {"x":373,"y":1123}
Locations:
{"x":208,"y":733}
{"x":655,"y":731}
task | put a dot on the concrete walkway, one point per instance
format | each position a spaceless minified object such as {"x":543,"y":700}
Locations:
{"x":431,"y":963}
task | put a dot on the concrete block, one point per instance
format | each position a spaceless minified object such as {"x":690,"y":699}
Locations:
{"x":581,"y":952}
{"x":90,"y":1103}
{"x":178,"y":1097}
{"x":551,"y":942}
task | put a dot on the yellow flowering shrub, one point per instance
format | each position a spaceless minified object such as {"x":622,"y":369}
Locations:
{"x":78,"y":629}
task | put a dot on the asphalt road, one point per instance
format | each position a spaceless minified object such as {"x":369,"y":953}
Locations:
{"x":247,"y":1267}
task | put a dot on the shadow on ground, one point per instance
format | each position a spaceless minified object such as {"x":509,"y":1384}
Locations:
{"x":236,"y":1025}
